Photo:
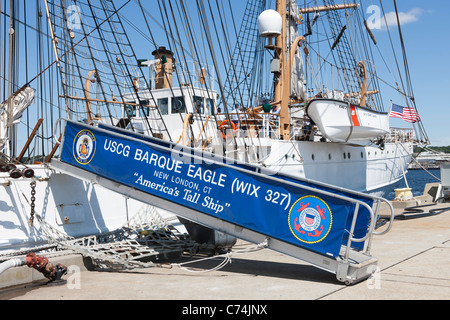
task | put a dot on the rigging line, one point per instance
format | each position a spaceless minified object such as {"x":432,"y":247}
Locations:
{"x":126,"y":71}
{"x":243,"y":53}
{"x":405,"y":62}
{"x":250,"y":87}
{"x":205,"y":54}
{"x":91,"y":55}
{"x":148,"y":86}
{"x":407,"y":72}
{"x":75,"y":56}
{"x":206,"y":28}
{"x":192,"y":39}
{"x":187,"y":78}
{"x":110,"y":64}
{"x":22,"y":23}
{"x":219,"y":42}
{"x":177,"y":54}
{"x":193,"y":36}
{"x":397,"y":64}
{"x":51,"y":95}
{"x":137,"y":29}
{"x":247,"y":53}
{"x":52,"y":34}
{"x":144,"y":11}
{"x":368,"y":53}
{"x":379,"y":52}
{"x":392,"y":46}
{"x":223,"y":59}
{"x":328,"y":40}
{"x":70,"y":49}
{"x":228,"y":51}
{"x":26,"y":69}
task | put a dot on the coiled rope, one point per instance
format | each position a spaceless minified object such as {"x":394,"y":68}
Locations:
{"x":227,"y":258}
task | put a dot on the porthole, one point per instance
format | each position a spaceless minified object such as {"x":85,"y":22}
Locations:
{"x":345,"y":155}
{"x":362,"y":155}
{"x":349,"y":155}
{"x":312,"y":157}
{"x":329,"y":156}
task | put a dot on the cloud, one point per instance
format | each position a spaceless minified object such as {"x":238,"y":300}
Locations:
{"x":404,"y":17}
{"x":378,"y":22}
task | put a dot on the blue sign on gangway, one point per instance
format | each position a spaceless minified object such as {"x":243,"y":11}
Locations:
{"x":281,"y":207}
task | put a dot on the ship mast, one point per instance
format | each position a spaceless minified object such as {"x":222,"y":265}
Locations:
{"x":9,"y":112}
{"x":283,"y":75}
{"x":279,"y":86}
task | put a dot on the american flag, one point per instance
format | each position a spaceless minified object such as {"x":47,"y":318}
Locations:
{"x":405,"y":113}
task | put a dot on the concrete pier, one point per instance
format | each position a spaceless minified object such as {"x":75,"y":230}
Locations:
{"x":413,"y":264}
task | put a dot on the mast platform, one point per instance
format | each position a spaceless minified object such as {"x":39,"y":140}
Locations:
{"x":328,"y":227}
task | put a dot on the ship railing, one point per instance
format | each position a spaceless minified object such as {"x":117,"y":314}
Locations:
{"x":400,"y":135}
{"x":270,"y":126}
{"x":303,"y":129}
{"x":248,"y":127}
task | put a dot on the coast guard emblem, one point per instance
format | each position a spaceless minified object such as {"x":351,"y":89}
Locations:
{"x":310,"y":219}
{"x":84,"y":147}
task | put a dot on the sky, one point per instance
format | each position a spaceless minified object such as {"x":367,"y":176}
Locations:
{"x":425,"y":26}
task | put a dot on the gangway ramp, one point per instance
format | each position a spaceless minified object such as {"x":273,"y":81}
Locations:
{"x":328,"y":227}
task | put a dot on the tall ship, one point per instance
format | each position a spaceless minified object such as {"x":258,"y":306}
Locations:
{"x":293,"y":91}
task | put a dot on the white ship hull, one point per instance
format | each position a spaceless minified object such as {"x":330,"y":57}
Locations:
{"x":70,"y":205}
{"x":364,"y":169}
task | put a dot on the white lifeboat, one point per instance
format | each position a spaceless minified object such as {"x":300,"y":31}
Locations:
{"x":342,"y":122}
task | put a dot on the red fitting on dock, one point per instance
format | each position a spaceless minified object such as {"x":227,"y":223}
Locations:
{"x":41,"y":264}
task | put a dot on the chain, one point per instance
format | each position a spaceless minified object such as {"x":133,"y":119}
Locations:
{"x":33,"y":199}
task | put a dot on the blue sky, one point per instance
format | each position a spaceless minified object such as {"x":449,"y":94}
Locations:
{"x":425,"y":27}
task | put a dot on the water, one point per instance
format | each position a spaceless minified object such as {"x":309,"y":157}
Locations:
{"x":417,"y":179}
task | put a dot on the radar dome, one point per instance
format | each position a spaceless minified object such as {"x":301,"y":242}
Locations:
{"x":270,"y":23}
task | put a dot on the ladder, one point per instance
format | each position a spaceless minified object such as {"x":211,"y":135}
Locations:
{"x":329,"y":227}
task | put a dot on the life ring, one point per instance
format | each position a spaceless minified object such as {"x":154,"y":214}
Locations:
{"x":223,"y":127}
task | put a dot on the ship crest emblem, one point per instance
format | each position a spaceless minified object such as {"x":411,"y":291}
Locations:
{"x":84,"y":147}
{"x":310,"y":219}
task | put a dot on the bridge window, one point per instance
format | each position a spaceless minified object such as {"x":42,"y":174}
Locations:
{"x":144,"y":109}
{"x":210,"y":104}
{"x":198,"y":105}
{"x":130,"y":111}
{"x":163,"y":106}
{"x":178,"y":105}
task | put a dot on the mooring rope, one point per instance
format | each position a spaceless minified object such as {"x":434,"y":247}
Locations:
{"x":227,"y":258}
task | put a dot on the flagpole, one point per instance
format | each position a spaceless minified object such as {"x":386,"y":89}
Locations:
{"x":390,"y":108}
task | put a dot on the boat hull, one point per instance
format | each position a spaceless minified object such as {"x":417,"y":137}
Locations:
{"x":68,"y":204}
{"x":342,"y":122}
{"x":359,"y":168}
